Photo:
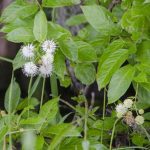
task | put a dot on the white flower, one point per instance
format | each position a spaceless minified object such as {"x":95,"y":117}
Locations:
{"x":141,"y":111}
{"x":49,"y":46}
{"x":128,"y":103}
{"x":47,"y":59}
{"x":46,"y":70}
{"x":28,"y":51}
{"x":139,"y":120}
{"x":30,"y":69}
{"x":121,"y":110}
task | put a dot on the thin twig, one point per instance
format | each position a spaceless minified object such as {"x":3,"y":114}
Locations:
{"x":113,"y":4}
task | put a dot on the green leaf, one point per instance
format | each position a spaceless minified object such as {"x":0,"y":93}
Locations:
{"x":49,"y":110}
{"x":59,"y":3}
{"x":120,"y":82}
{"x":3,"y":132}
{"x":100,"y":19}
{"x":114,"y":46}
{"x":85,"y":73}
{"x":56,"y":129}
{"x":12,"y":97}
{"x":34,"y":87}
{"x":69,"y":49}
{"x":24,"y":103}
{"x":55,"y":31}
{"x":15,"y":10}
{"x":32,"y":121}
{"x":138,"y":139}
{"x":76,"y":20}
{"x":109,"y":66}
{"x":141,"y":77}
{"x":40,"y":26}
{"x":59,"y":64}
{"x":17,"y":23}
{"x":21,"y":34}
{"x":143,"y":96}
{"x":18,"y":61}
{"x":66,"y":130}
{"x":39,"y":143}
{"x":86,"y":53}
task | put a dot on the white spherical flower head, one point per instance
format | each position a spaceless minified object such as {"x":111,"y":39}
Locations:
{"x":49,"y":46}
{"x":30,"y":69}
{"x":139,"y":120}
{"x":121,"y":110}
{"x":47,"y":59}
{"x":128,"y":103}
{"x":46,"y":70}
{"x":28,"y":51}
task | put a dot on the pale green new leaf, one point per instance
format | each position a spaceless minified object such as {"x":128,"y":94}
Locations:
{"x":100,"y":18}
{"x":21,"y":34}
{"x":120,"y":82}
{"x":40,"y":26}
{"x":109,"y":66}
{"x":15,"y":10}
{"x":59,"y":3}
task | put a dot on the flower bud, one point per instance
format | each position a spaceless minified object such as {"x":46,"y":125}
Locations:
{"x":139,"y":120}
{"x":141,"y":111}
{"x":128,"y":103}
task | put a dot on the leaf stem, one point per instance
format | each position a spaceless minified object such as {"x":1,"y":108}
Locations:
{"x":104,"y":109}
{"x":9,"y":110}
{"x":29,"y":89}
{"x":42,"y":95}
{"x":6,"y":59}
{"x":54,"y":87}
{"x":112,"y":136}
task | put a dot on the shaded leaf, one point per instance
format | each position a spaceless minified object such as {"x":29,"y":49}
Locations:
{"x":86,"y":73}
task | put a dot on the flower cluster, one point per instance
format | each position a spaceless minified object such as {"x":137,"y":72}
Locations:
{"x":125,"y":110}
{"x":39,"y":61}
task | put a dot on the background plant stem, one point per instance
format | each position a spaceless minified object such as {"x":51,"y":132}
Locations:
{"x":29,"y":89}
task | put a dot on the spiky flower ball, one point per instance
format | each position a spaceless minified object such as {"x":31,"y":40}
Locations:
{"x":121,"y":110}
{"x":49,"y":46}
{"x":47,"y":59}
{"x":45,"y":70}
{"x":30,"y":69}
{"x":28,"y":51}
